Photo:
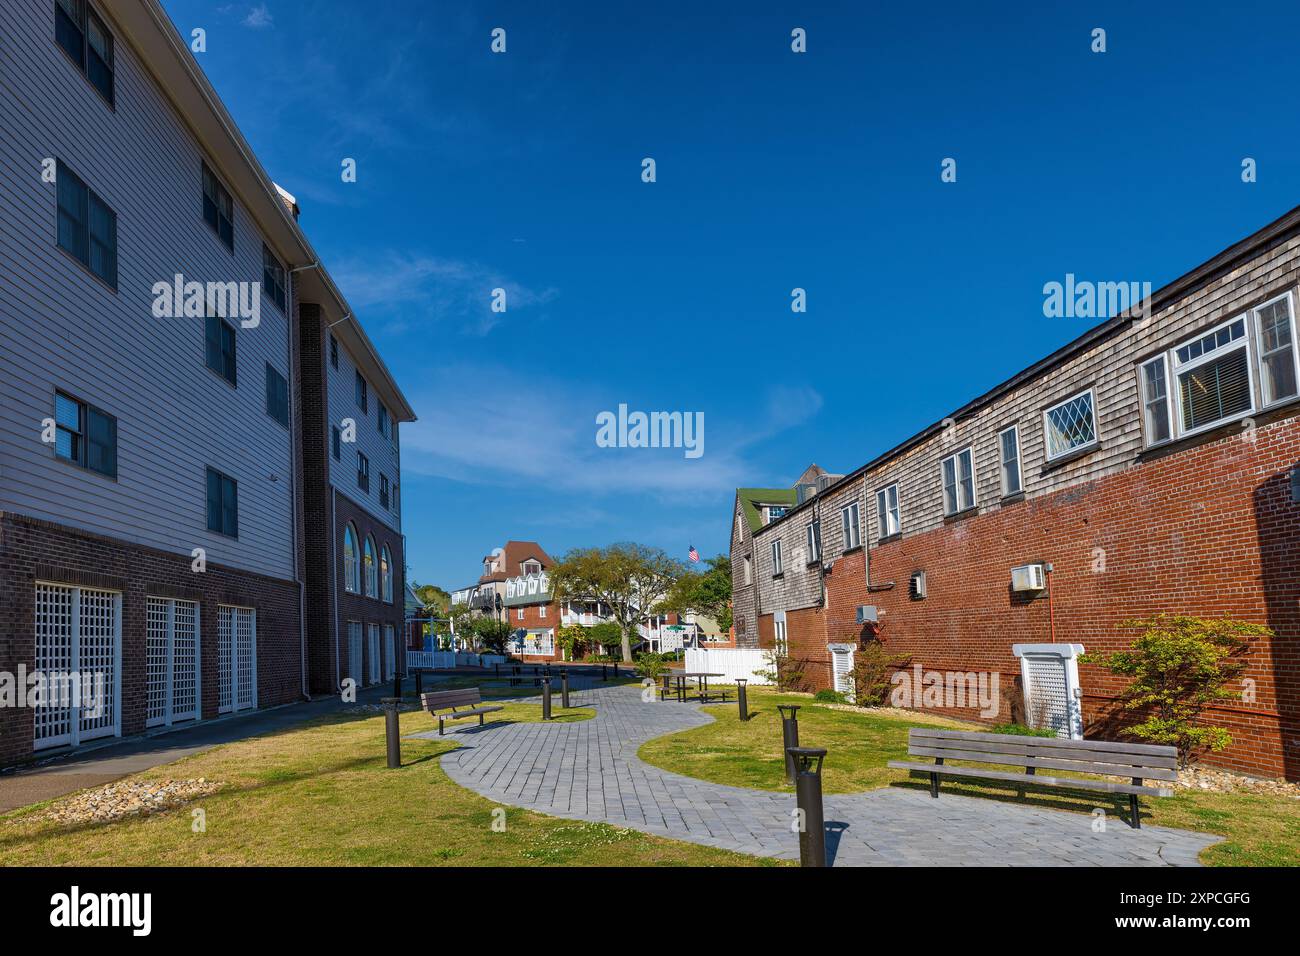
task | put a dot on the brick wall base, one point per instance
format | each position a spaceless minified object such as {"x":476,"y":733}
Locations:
{"x":32,"y":550}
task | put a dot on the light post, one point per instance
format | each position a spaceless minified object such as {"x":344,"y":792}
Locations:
{"x":789,"y":736}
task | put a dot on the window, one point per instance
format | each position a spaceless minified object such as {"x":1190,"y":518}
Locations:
{"x":87,"y":228}
{"x":851,"y":526}
{"x":774,"y":512}
{"x":363,"y":472}
{"x":887,"y":516}
{"x":336,"y":442}
{"x":749,"y":570}
{"x":386,"y":574}
{"x":351,"y":567}
{"x":223,"y":504}
{"x":219,"y":345}
{"x":370,"y":569}
{"x":363,"y":394}
{"x":1070,"y":426}
{"x":1277,"y":354}
{"x":277,"y":396}
{"x":1212,"y":376}
{"x":397,"y":493}
{"x":84,"y":435}
{"x":385,"y":427}
{"x":334,"y":351}
{"x":273,"y":278}
{"x":383,"y":489}
{"x":519,"y":615}
{"x":218,"y":208}
{"x":1009,"y":456}
{"x":780,"y":644}
{"x":87,"y":41}
{"x":777,"y":567}
{"x":813,"y":536}
{"x":958,"y":482}
{"x":1155,"y":401}
{"x":541,"y":612}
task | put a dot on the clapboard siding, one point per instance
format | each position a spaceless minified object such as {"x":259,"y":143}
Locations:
{"x":384,"y":454}
{"x":60,"y":327}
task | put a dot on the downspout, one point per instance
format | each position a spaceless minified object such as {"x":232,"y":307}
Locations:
{"x":1051,"y":609}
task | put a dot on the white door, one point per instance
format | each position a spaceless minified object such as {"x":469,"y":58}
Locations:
{"x":842,"y":670}
{"x":374,"y":654}
{"x":390,"y":652}
{"x":354,"y":652}
{"x":79,"y":652}
{"x":236,"y":658}
{"x":172,"y":661}
{"x":1047,"y":697}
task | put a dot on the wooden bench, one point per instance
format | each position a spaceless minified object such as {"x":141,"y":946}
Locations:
{"x":1138,"y":762}
{"x":453,"y":700}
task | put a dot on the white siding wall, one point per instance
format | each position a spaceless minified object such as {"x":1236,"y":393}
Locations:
{"x":384,"y":454}
{"x":62,"y":328}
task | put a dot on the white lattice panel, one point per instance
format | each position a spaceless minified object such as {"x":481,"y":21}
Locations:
{"x":54,"y":652}
{"x":185,"y":661}
{"x":391,"y":651}
{"x":97,"y":662}
{"x":245,"y":658}
{"x":1048,"y":697}
{"x":354,"y":651}
{"x":157,"y":646}
{"x":225,"y":657}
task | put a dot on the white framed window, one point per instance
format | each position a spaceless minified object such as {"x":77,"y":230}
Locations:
{"x":774,"y":512}
{"x":368,"y":559}
{"x":749,"y":570}
{"x":386,"y":574}
{"x":813,"y":536}
{"x":519,"y":615}
{"x":1155,"y":401}
{"x":542,"y":612}
{"x":1213,"y":381}
{"x":958,"y":482}
{"x":851,"y":525}
{"x":779,"y":640}
{"x":887,"y":516}
{"x":1070,"y":425}
{"x":777,"y":566}
{"x":351,"y":562}
{"x":1009,"y":460}
{"x":1279,"y":370}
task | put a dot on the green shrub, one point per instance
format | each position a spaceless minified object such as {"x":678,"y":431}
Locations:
{"x":651,"y":665}
{"x":829,"y":697}
{"x":873,"y":667}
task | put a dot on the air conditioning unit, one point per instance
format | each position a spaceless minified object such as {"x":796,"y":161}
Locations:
{"x":1028,"y":577}
{"x":867,"y":614}
{"x":916,"y":586}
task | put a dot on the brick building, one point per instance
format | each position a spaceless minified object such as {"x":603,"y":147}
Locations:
{"x":165,"y":474}
{"x":1152,"y":465}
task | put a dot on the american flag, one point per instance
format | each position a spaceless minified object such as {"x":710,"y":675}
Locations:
{"x":693,"y":554}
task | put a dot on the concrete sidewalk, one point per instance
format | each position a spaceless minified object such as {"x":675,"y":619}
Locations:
{"x":97,"y":765}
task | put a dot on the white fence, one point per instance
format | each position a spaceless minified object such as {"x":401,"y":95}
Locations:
{"x":732,"y":662}
{"x":446,"y":659}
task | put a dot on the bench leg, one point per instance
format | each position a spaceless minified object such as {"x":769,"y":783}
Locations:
{"x":480,"y":720}
{"x":934,"y":779}
{"x":440,"y":730}
{"x":1134,"y":812}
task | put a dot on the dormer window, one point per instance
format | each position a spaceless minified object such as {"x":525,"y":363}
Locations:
{"x":532,"y":567}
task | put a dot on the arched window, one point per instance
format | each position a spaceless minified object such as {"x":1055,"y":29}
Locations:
{"x":371,"y":589}
{"x":386,"y":574}
{"x":351,"y":575}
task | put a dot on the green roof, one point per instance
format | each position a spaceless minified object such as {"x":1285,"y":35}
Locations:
{"x":751,"y":498}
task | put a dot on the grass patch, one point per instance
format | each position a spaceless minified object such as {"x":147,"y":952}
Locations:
{"x":1261,"y":830}
{"x":321,"y":795}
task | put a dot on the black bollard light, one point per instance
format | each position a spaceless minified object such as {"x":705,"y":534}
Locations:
{"x":397,"y":685}
{"x":564,"y":687}
{"x":808,"y":798}
{"x":616,"y":670}
{"x":392,"y":731}
{"x":419,"y":682}
{"x":789,"y":735}
{"x":741,"y":700}
{"x":496,"y":669}
{"x":546,"y":697}
{"x":604,"y":672}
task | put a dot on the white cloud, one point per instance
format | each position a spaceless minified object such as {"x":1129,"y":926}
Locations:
{"x":487,"y":426}
{"x":259,"y":18}
{"x":431,"y":287}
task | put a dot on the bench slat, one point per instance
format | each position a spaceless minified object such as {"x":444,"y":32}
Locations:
{"x":1038,"y":779}
{"x":1060,"y":749}
{"x":1106,"y":746}
{"x":437,"y":700}
{"x":1046,"y":762}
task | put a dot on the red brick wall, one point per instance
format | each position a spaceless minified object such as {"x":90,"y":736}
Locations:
{"x":358,"y":607}
{"x":31,"y":549}
{"x":1208,"y":531}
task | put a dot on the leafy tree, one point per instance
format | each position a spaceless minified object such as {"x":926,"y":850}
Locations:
{"x":629,"y":578}
{"x":573,"y":639}
{"x":1179,"y":665}
{"x":606,"y":634}
{"x":432,"y":596}
{"x":702,"y":592}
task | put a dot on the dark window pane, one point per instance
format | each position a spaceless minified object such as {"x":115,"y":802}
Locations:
{"x":73,"y":200}
{"x":101,"y":449}
{"x":230,"y":506}
{"x":103,"y":241}
{"x":214,"y":501}
{"x":69,"y":29}
{"x":99,"y":62}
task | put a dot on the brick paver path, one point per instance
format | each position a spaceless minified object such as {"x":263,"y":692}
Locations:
{"x":590,"y":771}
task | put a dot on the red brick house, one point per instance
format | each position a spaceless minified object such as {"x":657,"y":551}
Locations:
{"x":1151,"y":465}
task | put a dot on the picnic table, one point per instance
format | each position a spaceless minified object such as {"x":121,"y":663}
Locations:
{"x":681,"y":677}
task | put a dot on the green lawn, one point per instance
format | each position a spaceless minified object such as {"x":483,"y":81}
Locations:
{"x":321,"y":795}
{"x":1260,"y":830}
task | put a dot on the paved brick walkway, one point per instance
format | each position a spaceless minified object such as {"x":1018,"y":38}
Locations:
{"x":589,"y":771}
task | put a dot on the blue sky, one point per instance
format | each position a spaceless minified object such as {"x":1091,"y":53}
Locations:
{"x":775,"y":171}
